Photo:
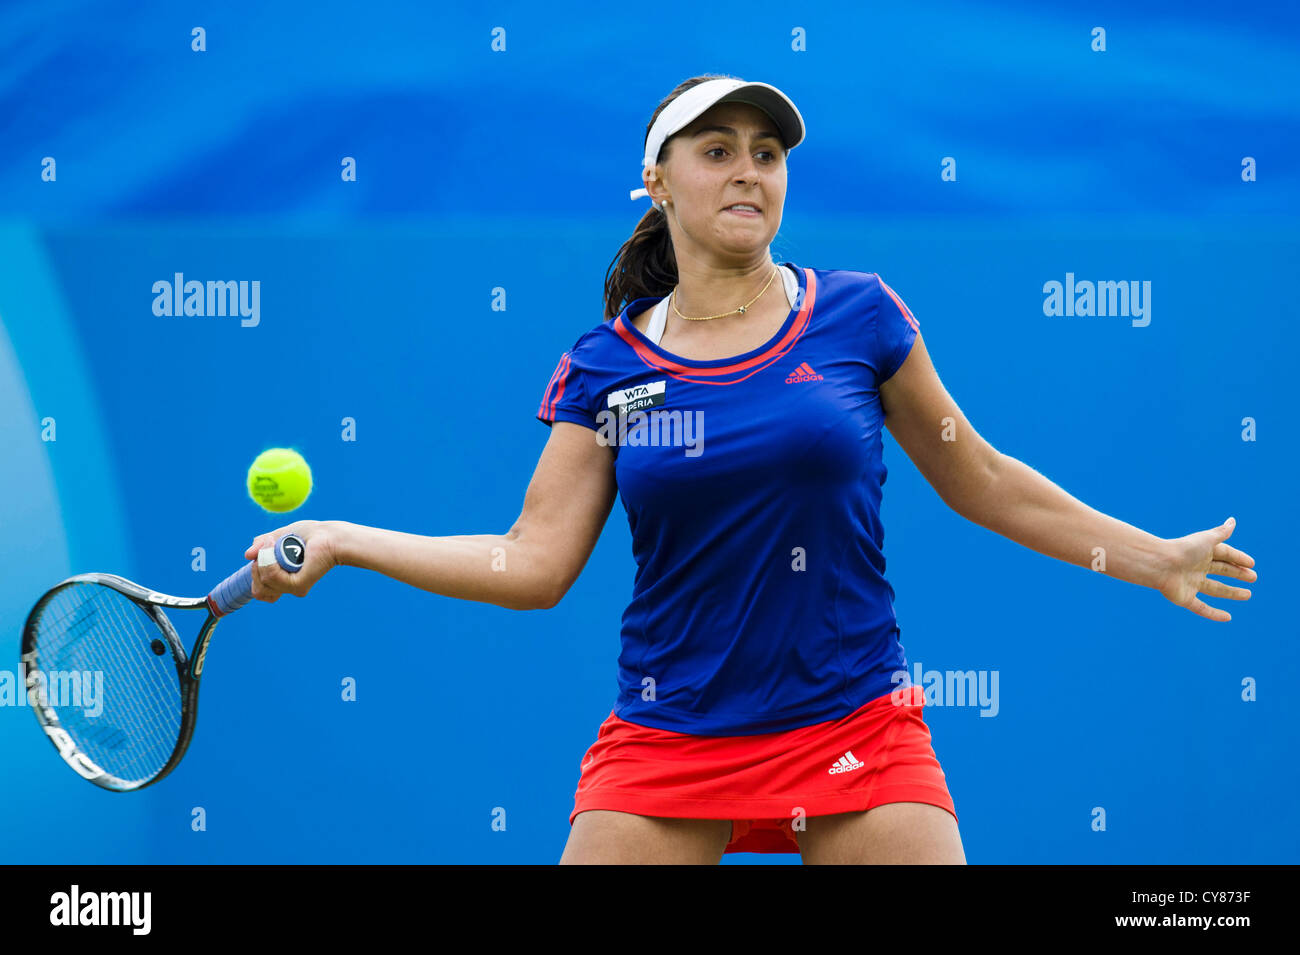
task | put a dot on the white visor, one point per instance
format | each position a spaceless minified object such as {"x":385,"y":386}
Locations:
{"x":689,"y":105}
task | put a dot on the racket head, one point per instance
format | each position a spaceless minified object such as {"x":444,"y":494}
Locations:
{"x":134,"y":717}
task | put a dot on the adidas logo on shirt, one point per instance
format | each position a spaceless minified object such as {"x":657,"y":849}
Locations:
{"x":846,"y":764}
{"x":803,"y":373}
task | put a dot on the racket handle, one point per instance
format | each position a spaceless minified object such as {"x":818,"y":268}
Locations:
{"x":237,"y":589}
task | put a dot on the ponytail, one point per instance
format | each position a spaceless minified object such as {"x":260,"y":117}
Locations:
{"x":646,"y":266}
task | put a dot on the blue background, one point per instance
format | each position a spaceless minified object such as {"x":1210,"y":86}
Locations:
{"x":480,"y":170}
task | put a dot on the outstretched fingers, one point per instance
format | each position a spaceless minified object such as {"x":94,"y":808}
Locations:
{"x":1226,"y":569}
{"x":1205,"y":610}
{"x":1226,"y":552}
{"x":1217,"y":588}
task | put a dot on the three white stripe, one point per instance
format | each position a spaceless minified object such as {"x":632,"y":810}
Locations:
{"x":846,"y":763}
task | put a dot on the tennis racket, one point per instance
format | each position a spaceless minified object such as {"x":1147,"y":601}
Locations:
{"x":95,"y":624}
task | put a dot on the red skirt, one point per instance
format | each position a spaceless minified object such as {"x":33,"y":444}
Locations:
{"x":767,"y":784}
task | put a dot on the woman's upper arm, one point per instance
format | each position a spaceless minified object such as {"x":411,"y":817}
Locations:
{"x":930,"y":427}
{"x":566,"y":505}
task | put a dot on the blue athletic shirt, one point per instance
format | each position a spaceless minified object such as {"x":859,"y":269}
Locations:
{"x":752,"y":487}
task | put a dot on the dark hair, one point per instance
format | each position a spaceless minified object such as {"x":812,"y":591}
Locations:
{"x":646,"y":266}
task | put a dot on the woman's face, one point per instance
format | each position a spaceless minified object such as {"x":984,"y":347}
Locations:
{"x":729,"y":154}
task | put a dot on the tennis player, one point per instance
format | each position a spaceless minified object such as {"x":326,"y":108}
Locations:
{"x":737,"y":405}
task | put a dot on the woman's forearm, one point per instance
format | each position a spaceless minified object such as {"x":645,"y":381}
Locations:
{"x":490,"y":568}
{"x":1024,"y":506}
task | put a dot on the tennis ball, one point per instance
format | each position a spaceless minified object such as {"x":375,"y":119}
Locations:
{"x":279,"y":480}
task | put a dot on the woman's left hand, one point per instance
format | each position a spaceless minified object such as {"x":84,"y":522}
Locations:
{"x":1197,"y":555}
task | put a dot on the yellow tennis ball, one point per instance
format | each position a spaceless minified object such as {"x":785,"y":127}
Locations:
{"x":279,"y":480}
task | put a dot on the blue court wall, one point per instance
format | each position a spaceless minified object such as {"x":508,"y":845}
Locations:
{"x":481,"y":170}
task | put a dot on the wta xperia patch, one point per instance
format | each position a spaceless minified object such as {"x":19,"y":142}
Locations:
{"x":637,"y":398}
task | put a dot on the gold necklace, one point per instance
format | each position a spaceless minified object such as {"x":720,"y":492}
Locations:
{"x":741,"y":310}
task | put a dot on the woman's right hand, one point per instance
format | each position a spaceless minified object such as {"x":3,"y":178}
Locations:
{"x":271,"y":581}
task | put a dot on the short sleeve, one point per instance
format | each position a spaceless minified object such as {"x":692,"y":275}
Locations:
{"x":565,"y":397}
{"x":896,"y":329}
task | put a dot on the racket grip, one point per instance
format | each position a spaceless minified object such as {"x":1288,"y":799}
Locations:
{"x":237,"y":589}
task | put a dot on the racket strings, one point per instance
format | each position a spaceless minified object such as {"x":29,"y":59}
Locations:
{"x":106,"y":618}
{"x":106,"y":634}
{"x":75,"y":657}
{"x":89,"y":629}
